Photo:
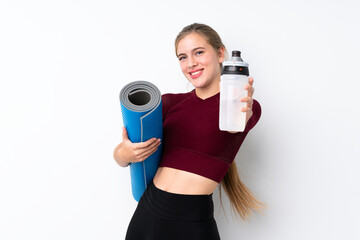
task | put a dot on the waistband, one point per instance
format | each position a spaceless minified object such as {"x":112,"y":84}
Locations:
{"x":174,"y":206}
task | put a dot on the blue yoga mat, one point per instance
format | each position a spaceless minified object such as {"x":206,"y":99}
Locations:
{"x":141,"y":110}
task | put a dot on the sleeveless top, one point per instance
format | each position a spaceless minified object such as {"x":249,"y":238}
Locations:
{"x":192,"y":140}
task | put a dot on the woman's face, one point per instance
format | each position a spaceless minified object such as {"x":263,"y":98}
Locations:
{"x":199,"y":61}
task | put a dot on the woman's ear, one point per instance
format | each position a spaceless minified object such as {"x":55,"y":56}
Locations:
{"x":221,"y":54}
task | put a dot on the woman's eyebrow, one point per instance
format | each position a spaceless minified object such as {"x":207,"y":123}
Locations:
{"x":197,"y":48}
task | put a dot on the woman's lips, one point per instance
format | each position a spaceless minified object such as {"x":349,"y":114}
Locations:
{"x":196,"y":74}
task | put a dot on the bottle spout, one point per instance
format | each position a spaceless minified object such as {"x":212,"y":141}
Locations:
{"x":236,"y":56}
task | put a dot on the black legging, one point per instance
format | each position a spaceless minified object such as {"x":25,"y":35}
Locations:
{"x":163,"y":215}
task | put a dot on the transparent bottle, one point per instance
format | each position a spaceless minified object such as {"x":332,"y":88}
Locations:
{"x":234,"y":77}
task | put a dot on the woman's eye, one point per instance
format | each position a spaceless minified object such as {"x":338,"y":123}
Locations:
{"x":181,"y":58}
{"x":199,"y":52}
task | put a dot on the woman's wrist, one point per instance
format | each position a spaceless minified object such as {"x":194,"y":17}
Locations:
{"x":118,"y":158}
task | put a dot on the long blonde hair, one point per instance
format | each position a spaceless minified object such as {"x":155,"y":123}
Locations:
{"x":242,"y":200}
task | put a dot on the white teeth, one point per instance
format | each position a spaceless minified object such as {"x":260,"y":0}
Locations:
{"x":194,"y":73}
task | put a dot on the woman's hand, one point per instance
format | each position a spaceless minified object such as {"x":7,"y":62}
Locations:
{"x":248,"y":100}
{"x":127,"y":152}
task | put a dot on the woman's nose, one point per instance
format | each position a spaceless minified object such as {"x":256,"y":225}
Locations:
{"x":191,"y":62}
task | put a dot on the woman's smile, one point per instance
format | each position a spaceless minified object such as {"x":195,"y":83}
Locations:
{"x":196,"y":73}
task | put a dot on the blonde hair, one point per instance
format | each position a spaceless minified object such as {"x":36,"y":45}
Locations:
{"x":242,"y":200}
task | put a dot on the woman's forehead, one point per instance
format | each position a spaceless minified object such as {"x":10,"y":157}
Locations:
{"x":190,"y":42}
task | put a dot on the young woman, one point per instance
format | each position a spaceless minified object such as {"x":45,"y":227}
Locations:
{"x":197,"y":156}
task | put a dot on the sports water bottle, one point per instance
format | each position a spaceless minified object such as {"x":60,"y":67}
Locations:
{"x":234,"y":77}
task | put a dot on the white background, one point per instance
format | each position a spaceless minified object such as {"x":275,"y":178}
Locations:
{"x":63,"y":64}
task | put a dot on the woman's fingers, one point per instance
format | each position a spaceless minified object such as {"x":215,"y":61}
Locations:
{"x":249,"y":100}
{"x":147,"y":153}
{"x":148,"y":143}
{"x":249,"y":87}
{"x":248,"y":111}
{"x":251,"y":80}
{"x":248,"y":108}
{"x":124,"y":134}
{"x":250,"y":90}
{"x":142,"y":152}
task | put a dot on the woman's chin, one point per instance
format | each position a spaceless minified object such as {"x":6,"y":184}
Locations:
{"x":196,"y":83}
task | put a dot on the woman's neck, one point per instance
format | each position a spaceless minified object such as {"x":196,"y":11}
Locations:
{"x":209,"y":91}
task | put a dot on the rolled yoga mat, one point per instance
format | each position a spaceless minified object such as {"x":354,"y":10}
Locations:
{"x":141,"y":110}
